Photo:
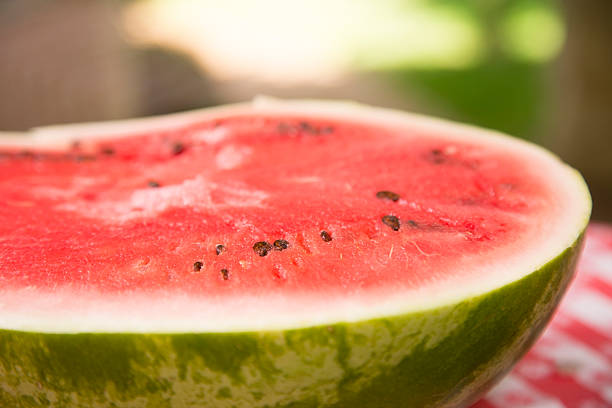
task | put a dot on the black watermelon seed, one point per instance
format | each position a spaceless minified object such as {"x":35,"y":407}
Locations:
{"x":108,"y":151}
{"x":225,"y":273}
{"x":437,"y":156}
{"x":387,"y":195}
{"x":413,"y":223}
{"x":197,"y":266}
{"x":325,"y":236}
{"x":84,"y":158}
{"x":307,"y":127}
{"x":219,"y":248}
{"x":391,"y":221}
{"x":262,"y":248}
{"x":304,"y":126}
{"x":153,"y":183}
{"x":178,"y":148}
{"x":25,"y":154}
{"x":280,"y":244}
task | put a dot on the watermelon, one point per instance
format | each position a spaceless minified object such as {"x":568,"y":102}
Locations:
{"x":277,"y":254}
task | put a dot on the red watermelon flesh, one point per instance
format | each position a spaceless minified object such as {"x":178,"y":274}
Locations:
{"x":262,"y":217}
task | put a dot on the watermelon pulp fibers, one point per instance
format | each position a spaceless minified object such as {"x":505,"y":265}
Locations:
{"x":267,"y":256}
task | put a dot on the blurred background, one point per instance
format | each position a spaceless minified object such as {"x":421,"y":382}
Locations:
{"x":537,"y":69}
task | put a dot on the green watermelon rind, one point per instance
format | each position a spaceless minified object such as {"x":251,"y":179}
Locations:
{"x":443,"y":357}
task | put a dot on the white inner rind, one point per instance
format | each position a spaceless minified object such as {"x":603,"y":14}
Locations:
{"x":66,"y":310}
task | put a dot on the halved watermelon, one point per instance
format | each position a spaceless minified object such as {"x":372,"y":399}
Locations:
{"x":276,"y":254}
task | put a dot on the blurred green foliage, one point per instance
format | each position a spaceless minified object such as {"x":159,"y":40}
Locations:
{"x":505,"y":95}
{"x":505,"y":88}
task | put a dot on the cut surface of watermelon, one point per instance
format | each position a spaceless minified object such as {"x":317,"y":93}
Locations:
{"x":276,"y":254}
{"x":270,"y":216}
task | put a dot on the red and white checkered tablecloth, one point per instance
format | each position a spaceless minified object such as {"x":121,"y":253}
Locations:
{"x":570,"y":366}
